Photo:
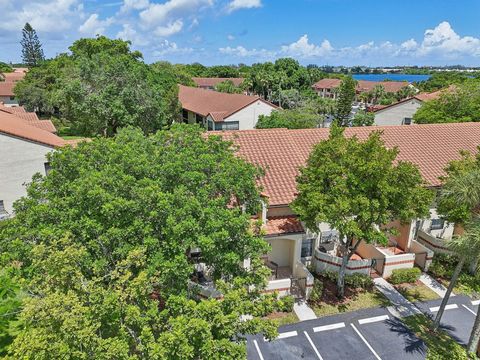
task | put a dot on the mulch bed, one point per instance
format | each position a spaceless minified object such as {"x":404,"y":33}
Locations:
{"x":329,"y":295}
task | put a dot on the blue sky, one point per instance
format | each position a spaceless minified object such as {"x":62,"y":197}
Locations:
{"x":334,"y":32}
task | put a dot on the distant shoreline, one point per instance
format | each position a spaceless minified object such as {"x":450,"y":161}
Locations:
{"x":394,"y":77}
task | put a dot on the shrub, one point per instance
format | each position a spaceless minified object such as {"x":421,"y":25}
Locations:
{"x":400,"y":276}
{"x":443,"y":265}
{"x":317,"y":291}
{"x":357,"y":280}
{"x":285,"y":304}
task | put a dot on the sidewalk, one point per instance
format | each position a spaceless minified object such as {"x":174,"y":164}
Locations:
{"x":401,"y":306}
{"x":303,"y":311}
{"x":434,"y":285}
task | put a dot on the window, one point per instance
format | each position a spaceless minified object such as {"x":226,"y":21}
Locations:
{"x":407,"y":121}
{"x":307,"y":247}
{"x":47,"y":168}
{"x":185,"y":115}
{"x":12,"y":97}
{"x":199,"y":119}
{"x":3,"y":212}
{"x":437,"y":224}
{"x":210,"y":125}
{"x":229,"y":125}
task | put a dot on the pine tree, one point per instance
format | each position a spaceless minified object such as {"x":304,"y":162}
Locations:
{"x":346,"y":96}
{"x":32,"y":52}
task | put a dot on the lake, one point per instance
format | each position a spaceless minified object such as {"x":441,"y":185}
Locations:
{"x":395,"y":77}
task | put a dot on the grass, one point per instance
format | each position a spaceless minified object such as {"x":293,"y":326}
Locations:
{"x":462,"y":288}
{"x":283,"y":318}
{"x":416,"y":292}
{"x":71,"y":137}
{"x":361,"y":300}
{"x":440,"y":345}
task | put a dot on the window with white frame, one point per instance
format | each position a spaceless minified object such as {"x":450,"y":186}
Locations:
{"x":437,"y":224}
{"x":307,"y":247}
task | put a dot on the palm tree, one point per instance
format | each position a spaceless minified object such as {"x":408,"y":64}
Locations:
{"x":463,"y":190}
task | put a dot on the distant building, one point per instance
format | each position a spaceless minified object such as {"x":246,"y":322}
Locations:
{"x":221,"y":111}
{"x":7,"y":97}
{"x":27,"y":147}
{"x":327,"y":87}
{"x":29,"y":118}
{"x":401,"y":113}
{"x":209,"y":83}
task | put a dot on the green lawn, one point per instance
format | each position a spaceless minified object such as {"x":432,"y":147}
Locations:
{"x":440,"y":345}
{"x":283,"y":318}
{"x":361,"y":300}
{"x":417,"y":292}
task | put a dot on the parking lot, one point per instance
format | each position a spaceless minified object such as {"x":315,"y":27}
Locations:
{"x":366,"y":334}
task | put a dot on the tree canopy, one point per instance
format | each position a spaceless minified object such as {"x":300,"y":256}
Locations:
{"x":32,"y":52}
{"x":358,"y":187}
{"x":100,"y":87}
{"x":102,"y":245}
{"x":229,"y":87}
{"x":343,"y":106}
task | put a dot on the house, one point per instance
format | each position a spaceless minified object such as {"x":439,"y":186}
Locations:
{"x":30,"y":118}
{"x":221,"y":111}
{"x":209,"y":83}
{"x":281,"y":152}
{"x":23,"y":151}
{"x":326,"y":88}
{"x":401,"y":113}
{"x":16,"y":75}
{"x":7,"y":97}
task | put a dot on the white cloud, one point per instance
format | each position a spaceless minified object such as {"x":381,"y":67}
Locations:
{"x":159,"y":14}
{"x":241,"y":51}
{"x":243,"y":4}
{"x":170,"y":29}
{"x":230,"y":37}
{"x":168,"y":47}
{"x":129,"y":5}
{"x":93,"y":25}
{"x":304,"y":49}
{"x":129,"y":33}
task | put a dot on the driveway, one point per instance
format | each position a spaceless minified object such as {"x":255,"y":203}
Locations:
{"x":370,"y":334}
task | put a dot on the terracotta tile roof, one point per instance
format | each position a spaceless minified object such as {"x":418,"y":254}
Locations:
{"x":212,"y":81}
{"x":13,"y":76}
{"x":283,"y":225}
{"x":219,"y":105}
{"x":12,"y":125}
{"x":436,"y":94}
{"x":29,"y":117}
{"x":6,"y":88}
{"x":362,"y":85}
{"x":282,"y":152}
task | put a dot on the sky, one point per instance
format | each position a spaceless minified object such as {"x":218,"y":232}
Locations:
{"x":212,"y":32}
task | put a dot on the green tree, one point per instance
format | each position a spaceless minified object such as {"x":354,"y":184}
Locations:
{"x":358,"y":188}
{"x":104,"y":240}
{"x":229,"y":87}
{"x":363,"y":118}
{"x":290,"y":119}
{"x":4,"y":68}
{"x":10,"y":303}
{"x":345,"y":98}
{"x":378,"y":93}
{"x":32,"y":53}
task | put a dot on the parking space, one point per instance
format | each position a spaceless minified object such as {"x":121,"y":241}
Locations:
{"x":371,"y":335}
{"x":458,"y":317}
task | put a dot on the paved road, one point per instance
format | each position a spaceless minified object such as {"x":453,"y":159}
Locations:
{"x":370,"y":334}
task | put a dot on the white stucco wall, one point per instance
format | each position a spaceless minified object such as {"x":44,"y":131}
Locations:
{"x":395,"y":115}
{"x":248,"y":117}
{"x":19,"y":160}
{"x":7,"y":101}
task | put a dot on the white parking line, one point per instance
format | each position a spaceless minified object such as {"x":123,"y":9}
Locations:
{"x":258,"y":350}
{"x":473,"y":312}
{"x":366,"y":343}
{"x":313,"y":346}
{"x":373,"y":319}
{"x":475,"y":302}
{"x":287,"y":335}
{"x":329,"y":327}
{"x":448,"y":307}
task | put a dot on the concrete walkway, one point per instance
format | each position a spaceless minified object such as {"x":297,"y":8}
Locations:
{"x":303,"y":311}
{"x":401,"y":307}
{"x":434,"y":285}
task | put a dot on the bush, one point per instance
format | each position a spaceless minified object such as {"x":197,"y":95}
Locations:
{"x":355,"y":280}
{"x":317,"y":291}
{"x":443,"y":265}
{"x":285,"y":304}
{"x":405,"y":276}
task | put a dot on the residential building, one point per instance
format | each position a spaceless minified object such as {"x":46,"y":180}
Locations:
{"x":401,"y":113}
{"x":327,"y":88}
{"x":209,"y":83}
{"x":282,"y":152}
{"x":221,"y":111}
{"x":23,"y":151}
{"x":30,"y":118}
{"x":16,"y":75}
{"x":7,"y":97}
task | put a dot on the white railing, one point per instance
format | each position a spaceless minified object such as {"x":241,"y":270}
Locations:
{"x":324,"y":262}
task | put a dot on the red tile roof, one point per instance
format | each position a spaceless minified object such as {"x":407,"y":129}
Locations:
{"x":6,"y":88}
{"x":212,"y":81}
{"x":219,"y":105}
{"x":12,"y":125}
{"x":29,"y":117}
{"x":436,"y":94}
{"x":13,"y":76}
{"x":283,"y":225}
{"x":362,"y":85}
{"x":282,"y":152}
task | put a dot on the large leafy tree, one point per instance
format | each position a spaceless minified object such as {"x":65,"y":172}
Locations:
{"x":104,"y":239}
{"x":346,"y":95}
{"x":359,"y":188}
{"x":32,"y":52}
{"x":101,"y":87}
{"x":228,"y":87}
